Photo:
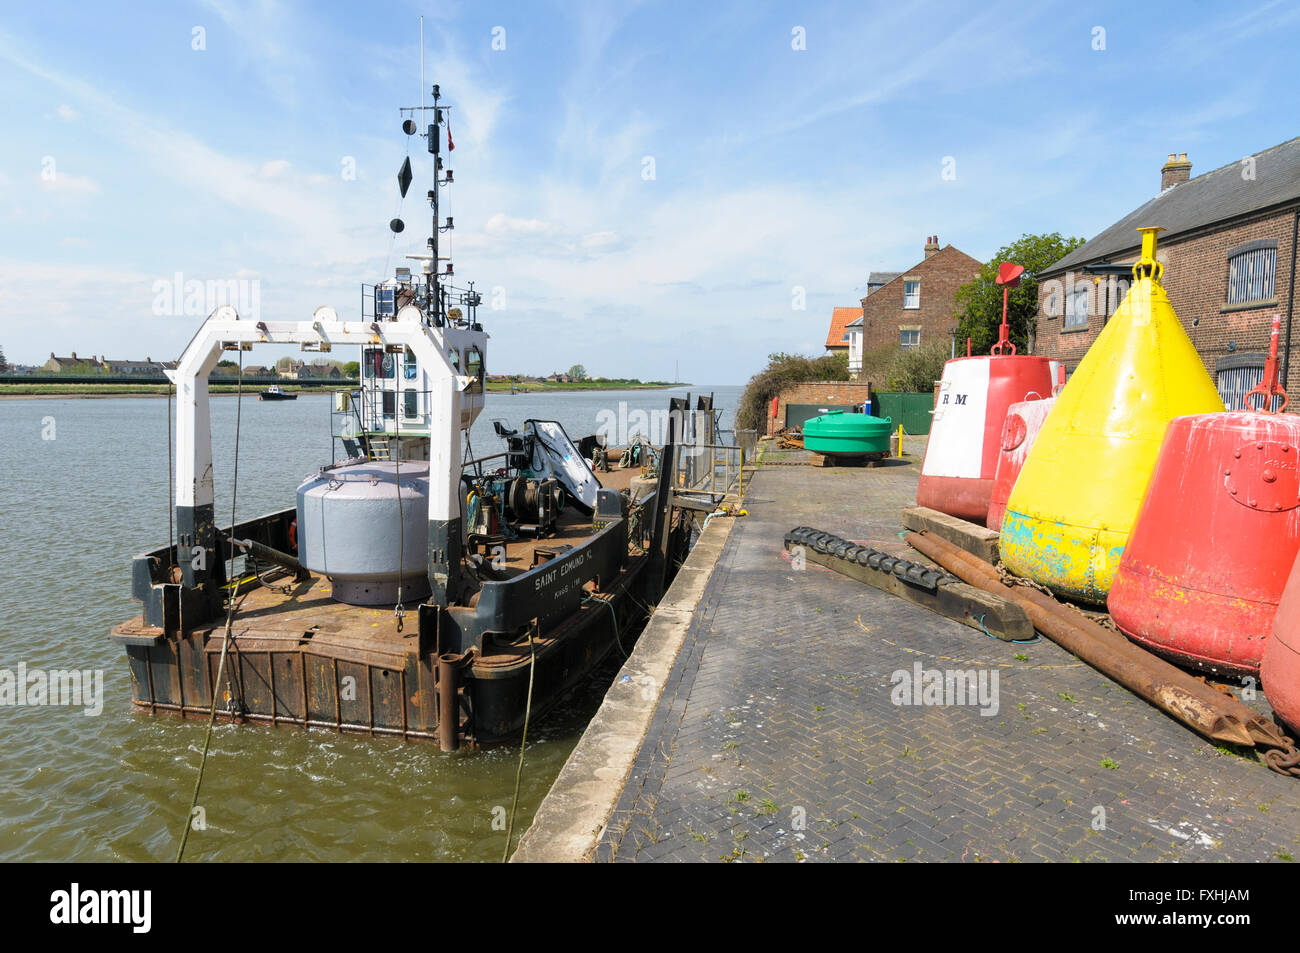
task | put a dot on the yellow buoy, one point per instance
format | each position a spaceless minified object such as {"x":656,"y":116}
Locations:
{"x":1078,"y":495}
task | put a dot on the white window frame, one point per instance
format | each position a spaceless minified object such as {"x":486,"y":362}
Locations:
{"x":912,"y":299}
{"x":909,"y":345}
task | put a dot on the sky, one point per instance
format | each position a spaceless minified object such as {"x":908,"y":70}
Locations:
{"x":639,"y":186}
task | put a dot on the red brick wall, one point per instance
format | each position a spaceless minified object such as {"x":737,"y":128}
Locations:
{"x":817,"y":392}
{"x":1196,"y":279}
{"x":941,"y":275}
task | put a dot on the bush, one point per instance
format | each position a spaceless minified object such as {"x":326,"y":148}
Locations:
{"x":915,"y":370}
{"x":783,"y":370}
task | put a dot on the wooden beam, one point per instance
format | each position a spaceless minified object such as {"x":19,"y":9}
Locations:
{"x":975,"y":539}
{"x":949,"y":596}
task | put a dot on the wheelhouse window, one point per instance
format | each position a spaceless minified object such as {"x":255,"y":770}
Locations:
{"x":410,"y":367}
{"x":912,"y":294}
{"x":474,"y":368}
{"x":377,"y":364}
{"x":909,"y":338}
{"x":410,"y":404}
{"x":1252,"y":268}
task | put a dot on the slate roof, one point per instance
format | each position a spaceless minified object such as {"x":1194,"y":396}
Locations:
{"x":1217,"y":196}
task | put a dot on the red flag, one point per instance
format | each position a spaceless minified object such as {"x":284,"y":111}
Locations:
{"x":451,"y":146}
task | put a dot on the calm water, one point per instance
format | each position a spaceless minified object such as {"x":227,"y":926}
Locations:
{"x":73,"y":510}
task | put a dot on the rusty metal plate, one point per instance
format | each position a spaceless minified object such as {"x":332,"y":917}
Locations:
{"x":1263,"y":476}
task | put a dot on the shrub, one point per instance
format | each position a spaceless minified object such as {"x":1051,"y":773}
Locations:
{"x":783,"y":370}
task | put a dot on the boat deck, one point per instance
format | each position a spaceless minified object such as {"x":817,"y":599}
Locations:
{"x":287,"y":614}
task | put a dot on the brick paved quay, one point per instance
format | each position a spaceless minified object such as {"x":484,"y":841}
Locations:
{"x":775,"y":737}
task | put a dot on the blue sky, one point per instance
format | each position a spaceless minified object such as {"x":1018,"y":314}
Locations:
{"x":774,"y":168}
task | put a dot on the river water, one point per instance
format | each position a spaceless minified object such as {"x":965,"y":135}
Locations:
{"x":83,"y":487}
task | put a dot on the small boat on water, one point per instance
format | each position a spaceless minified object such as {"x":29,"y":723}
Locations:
{"x":275,"y":392}
{"x":415,"y":590}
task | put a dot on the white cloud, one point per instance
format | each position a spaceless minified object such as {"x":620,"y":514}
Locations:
{"x":65,"y":183}
{"x":67,"y":113}
{"x":274,"y":168}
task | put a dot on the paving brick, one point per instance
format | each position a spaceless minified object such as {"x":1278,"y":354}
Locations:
{"x":782,"y":691}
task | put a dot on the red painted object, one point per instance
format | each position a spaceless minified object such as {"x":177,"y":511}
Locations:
{"x":961,"y":456}
{"x":1019,"y":431}
{"x":1280,"y":671}
{"x":1219,"y":530}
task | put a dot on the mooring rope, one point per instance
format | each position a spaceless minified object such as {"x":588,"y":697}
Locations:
{"x":230,"y":619}
{"x":609,"y":604}
{"x":523,"y":741}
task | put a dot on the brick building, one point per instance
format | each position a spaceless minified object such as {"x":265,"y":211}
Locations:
{"x":914,"y":307}
{"x":1229,"y":254}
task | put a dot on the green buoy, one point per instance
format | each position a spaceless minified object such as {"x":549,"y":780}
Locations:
{"x":838,"y":434}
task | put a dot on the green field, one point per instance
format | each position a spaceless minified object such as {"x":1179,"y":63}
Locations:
{"x":109,"y":390}
{"x":532,"y":386}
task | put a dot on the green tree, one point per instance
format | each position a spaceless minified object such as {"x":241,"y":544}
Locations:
{"x":979,"y":302}
{"x":352,"y":369}
{"x":4,"y":365}
{"x":578,"y":373}
{"x":226,"y":369}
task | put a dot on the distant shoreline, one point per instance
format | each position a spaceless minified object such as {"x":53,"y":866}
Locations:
{"x":15,"y":391}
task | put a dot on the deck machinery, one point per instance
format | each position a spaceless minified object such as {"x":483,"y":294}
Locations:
{"x":413,"y":585}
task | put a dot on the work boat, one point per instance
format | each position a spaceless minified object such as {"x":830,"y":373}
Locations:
{"x":414,"y":589}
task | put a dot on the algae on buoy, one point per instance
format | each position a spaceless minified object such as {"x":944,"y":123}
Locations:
{"x":1076,"y":499}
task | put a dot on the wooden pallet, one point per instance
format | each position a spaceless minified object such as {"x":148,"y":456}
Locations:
{"x":866,"y":460}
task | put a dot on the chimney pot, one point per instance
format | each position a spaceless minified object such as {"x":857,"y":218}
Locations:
{"x":931,"y":245}
{"x":1176,"y":170}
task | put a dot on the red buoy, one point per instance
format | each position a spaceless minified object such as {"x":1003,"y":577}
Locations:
{"x":961,"y":455}
{"x":1214,"y":543}
{"x":1280,"y":671}
{"x":1019,"y":431}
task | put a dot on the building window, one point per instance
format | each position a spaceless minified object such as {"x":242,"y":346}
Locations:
{"x":909,"y":338}
{"x":1077,"y":302}
{"x":410,"y":404}
{"x":1237,"y":374}
{"x":1251,"y":269}
{"x":912,"y":294}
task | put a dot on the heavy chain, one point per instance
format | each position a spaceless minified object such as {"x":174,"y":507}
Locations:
{"x":1284,"y":760}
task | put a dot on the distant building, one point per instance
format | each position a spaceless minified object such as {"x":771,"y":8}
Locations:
{"x":257,"y":370}
{"x":837,"y":338}
{"x":61,"y":365}
{"x":906,"y":309}
{"x":1229,"y":253}
{"x":300,"y":370}
{"x":148,"y":367}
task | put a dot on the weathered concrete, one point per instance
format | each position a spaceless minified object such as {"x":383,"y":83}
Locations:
{"x":571,"y":820}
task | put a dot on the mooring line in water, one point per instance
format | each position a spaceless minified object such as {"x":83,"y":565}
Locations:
{"x":230,"y":618}
{"x":519,"y":771}
{"x":609,"y":603}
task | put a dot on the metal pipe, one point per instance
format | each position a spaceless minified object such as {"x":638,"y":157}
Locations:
{"x":1209,"y":712}
{"x":270,"y":555}
{"x":449,"y":666}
